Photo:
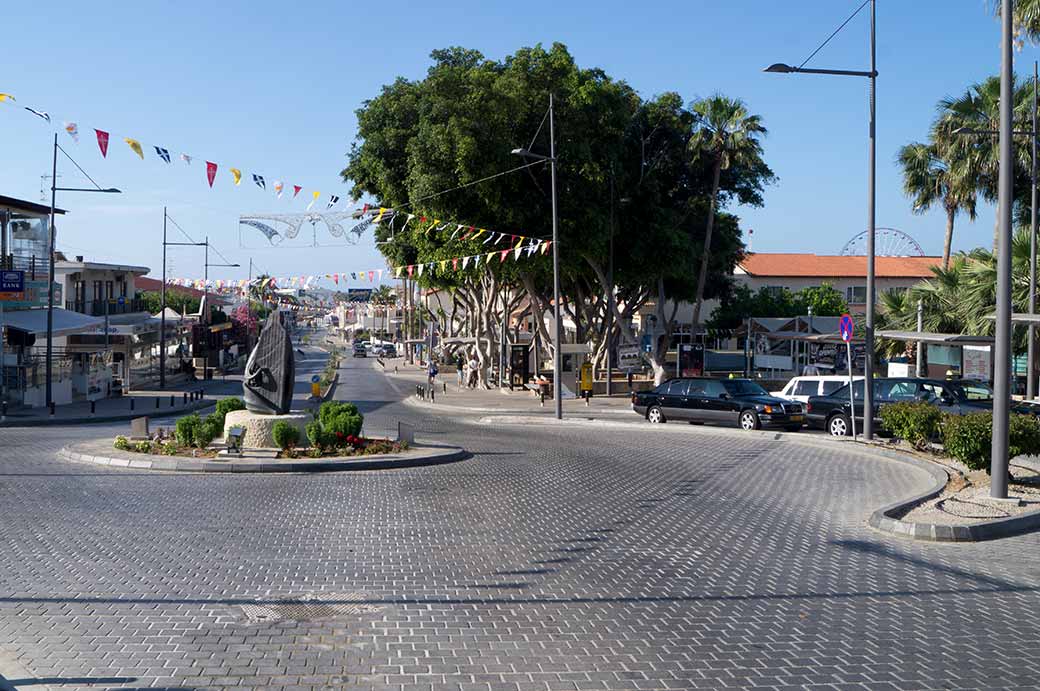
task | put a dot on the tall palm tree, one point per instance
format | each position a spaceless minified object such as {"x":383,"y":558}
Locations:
{"x":385,"y":296}
{"x":931,"y":179}
{"x":978,"y":156}
{"x":726,"y":134}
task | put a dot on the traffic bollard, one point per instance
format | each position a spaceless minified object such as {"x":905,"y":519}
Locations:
{"x":157,"y":403}
{"x":3,"y":410}
{"x":52,"y":408}
{"x":433,"y":394}
{"x":92,"y":409}
{"x":185,"y":398}
{"x":173,"y":400}
{"x":131,"y":404}
{"x":444,"y":387}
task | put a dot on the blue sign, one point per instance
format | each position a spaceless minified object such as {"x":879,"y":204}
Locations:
{"x":121,"y":301}
{"x":12,"y":281}
{"x":846,"y":327}
{"x":315,"y":379}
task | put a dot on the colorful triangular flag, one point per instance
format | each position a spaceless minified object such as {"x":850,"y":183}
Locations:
{"x":102,"y":142}
{"x":73,"y":130}
{"x":259,"y":180}
{"x":164,"y":154}
{"x":211,"y":172}
{"x":39,"y":113}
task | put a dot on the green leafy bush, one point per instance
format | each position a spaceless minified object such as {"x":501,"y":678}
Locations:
{"x":968,"y":438}
{"x":285,"y":435}
{"x":143,"y":447}
{"x":122,"y":443}
{"x":915,"y":422}
{"x":1024,"y":436}
{"x":315,"y":435}
{"x":206,"y":432}
{"x":225,"y":406}
{"x":185,"y":429}
{"x":168,"y":449}
{"x":338,"y":420}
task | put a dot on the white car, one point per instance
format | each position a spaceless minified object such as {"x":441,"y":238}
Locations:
{"x":800,"y":388}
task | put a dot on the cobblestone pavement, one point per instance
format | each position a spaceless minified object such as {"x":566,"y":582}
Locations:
{"x":553,"y":559}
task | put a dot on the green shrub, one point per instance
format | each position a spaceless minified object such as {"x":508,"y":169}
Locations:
{"x":1024,"y":436}
{"x":168,"y":449}
{"x":225,"y":406}
{"x":344,"y":425}
{"x":185,"y":430}
{"x":968,"y":437}
{"x":143,"y":447}
{"x":285,"y":435}
{"x":206,"y":432}
{"x":330,"y":409}
{"x":122,"y":443}
{"x":915,"y":422}
{"x":315,"y":435}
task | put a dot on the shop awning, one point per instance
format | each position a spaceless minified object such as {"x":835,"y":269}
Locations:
{"x":66,"y":323}
{"x":936,"y":338}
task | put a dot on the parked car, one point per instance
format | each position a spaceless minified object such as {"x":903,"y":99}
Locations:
{"x":389,"y":350}
{"x":360,"y":350}
{"x":956,"y":397}
{"x":729,"y":401}
{"x":800,"y":388}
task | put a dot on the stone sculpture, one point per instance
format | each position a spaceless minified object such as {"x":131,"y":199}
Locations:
{"x":270,"y":371}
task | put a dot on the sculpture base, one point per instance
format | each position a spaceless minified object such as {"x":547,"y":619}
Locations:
{"x":259,"y":427}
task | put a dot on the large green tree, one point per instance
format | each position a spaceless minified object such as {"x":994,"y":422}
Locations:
{"x":454,"y":130}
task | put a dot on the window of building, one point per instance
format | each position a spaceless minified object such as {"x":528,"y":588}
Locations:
{"x":856,"y":295}
{"x":98,"y":288}
{"x":109,"y":290}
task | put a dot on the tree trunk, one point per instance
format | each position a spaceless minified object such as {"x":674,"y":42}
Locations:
{"x":951,"y":213}
{"x":706,"y":252}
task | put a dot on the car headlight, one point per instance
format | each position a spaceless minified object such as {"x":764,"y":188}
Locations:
{"x":766,"y":409}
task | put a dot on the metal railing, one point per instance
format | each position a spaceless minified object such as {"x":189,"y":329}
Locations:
{"x":96,"y":308}
{"x":18,"y":262}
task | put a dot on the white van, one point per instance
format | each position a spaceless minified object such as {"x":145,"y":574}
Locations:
{"x":800,"y":388}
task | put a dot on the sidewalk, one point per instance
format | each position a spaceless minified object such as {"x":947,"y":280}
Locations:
{"x":118,"y":409}
{"x":498,"y":401}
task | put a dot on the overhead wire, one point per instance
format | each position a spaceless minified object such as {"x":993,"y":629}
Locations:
{"x":836,"y":31}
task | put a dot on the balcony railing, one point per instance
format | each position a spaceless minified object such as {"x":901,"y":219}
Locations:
{"x":96,"y":308}
{"x":30,"y":265}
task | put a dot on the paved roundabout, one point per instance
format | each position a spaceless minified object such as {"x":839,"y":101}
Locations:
{"x":557,"y":557}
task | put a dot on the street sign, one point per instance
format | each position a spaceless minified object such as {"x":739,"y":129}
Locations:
{"x":121,"y":301}
{"x":846,"y":327}
{"x":12,"y":281}
{"x":315,"y":379}
{"x":630,"y":357}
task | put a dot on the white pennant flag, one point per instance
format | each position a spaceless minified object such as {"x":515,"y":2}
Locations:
{"x":465,"y":262}
{"x":516,"y":252}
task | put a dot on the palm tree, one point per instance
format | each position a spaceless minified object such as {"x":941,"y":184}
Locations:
{"x":1026,"y":18}
{"x":725,"y":134}
{"x":385,"y":296}
{"x":931,"y":179}
{"x":977,"y":156}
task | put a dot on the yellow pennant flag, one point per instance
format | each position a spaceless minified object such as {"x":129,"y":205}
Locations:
{"x":380,"y":216}
{"x":490,"y":255}
{"x":6,"y":97}
{"x":443,"y":263}
{"x":135,"y":146}
{"x":519,"y":242}
{"x":237,"y":174}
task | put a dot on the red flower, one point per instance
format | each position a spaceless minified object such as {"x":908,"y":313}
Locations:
{"x":339,"y":435}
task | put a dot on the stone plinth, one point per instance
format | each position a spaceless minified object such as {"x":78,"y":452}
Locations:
{"x":259,"y":427}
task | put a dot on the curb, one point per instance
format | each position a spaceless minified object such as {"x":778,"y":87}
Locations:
{"x":161,"y":412}
{"x":435,"y":455}
{"x":413,"y":402}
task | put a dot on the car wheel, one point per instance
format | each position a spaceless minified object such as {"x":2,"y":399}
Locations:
{"x":655,"y":415}
{"x":839,"y":425}
{"x":749,"y":420}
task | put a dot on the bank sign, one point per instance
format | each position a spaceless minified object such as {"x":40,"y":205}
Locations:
{"x":33,"y":294}
{"x":12,"y":281}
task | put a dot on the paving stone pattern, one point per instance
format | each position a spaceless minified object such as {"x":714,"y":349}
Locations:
{"x":553,"y":559}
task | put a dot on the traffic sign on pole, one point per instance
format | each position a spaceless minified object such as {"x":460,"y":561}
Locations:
{"x":846,"y":327}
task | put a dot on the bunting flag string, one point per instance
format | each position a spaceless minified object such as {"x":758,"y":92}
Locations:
{"x":103,"y":137}
{"x":461,"y":231}
{"x":443,"y":266}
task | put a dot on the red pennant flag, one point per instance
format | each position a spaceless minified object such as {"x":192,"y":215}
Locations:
{"x":364,"y":209}
{"x":371,"y":275}
{"x":335,"y":278}
{"x":502,"y":255}
{"x":211,"y":172}
{"x":455,"y":263}
{"x":102,"y":142}
{"x":411,"y":268}
{"x":296,"y":190}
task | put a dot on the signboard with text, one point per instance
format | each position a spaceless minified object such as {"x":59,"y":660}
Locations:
{"x":33,"y":295}
{"x":12,"y":281}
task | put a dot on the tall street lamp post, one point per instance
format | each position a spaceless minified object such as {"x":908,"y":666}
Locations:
{"x":557,"y":355}
{"x":998,"y":487}
{"x":162,"y":300}
{"x":51,"y":246}
{"x":868,"y":360}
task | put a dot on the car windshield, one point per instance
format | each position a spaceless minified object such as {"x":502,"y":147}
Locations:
{"x":743,"y":387}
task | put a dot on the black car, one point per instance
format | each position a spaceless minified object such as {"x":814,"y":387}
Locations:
{"x":730,"y":401}
{"x":359,"y":350}
{"x":957,"y":397}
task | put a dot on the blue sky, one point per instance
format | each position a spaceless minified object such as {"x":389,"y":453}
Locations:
{"x":272,"y":88}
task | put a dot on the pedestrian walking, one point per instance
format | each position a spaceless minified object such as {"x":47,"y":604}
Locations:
{"x":473,"y":366}
{"x":460,"y":366}
{"x":431,"y":374}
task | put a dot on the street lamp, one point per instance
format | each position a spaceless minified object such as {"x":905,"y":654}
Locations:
{"x":557,"y":355}
{"x":162,"y":300}
{"x":1031,"y":347}
{"x":868,"y":360}
{"x":51,"y":246}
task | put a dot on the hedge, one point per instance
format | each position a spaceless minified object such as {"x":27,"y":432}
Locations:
{"x":915,"y":422}
{"x":969,"y":438}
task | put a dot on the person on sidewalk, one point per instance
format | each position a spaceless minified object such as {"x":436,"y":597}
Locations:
{"x":460,"y":366}
{"x":473,"y":367}
{"x":431,"y":374}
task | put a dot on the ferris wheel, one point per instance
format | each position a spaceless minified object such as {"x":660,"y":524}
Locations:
{"x":888,"y":242}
